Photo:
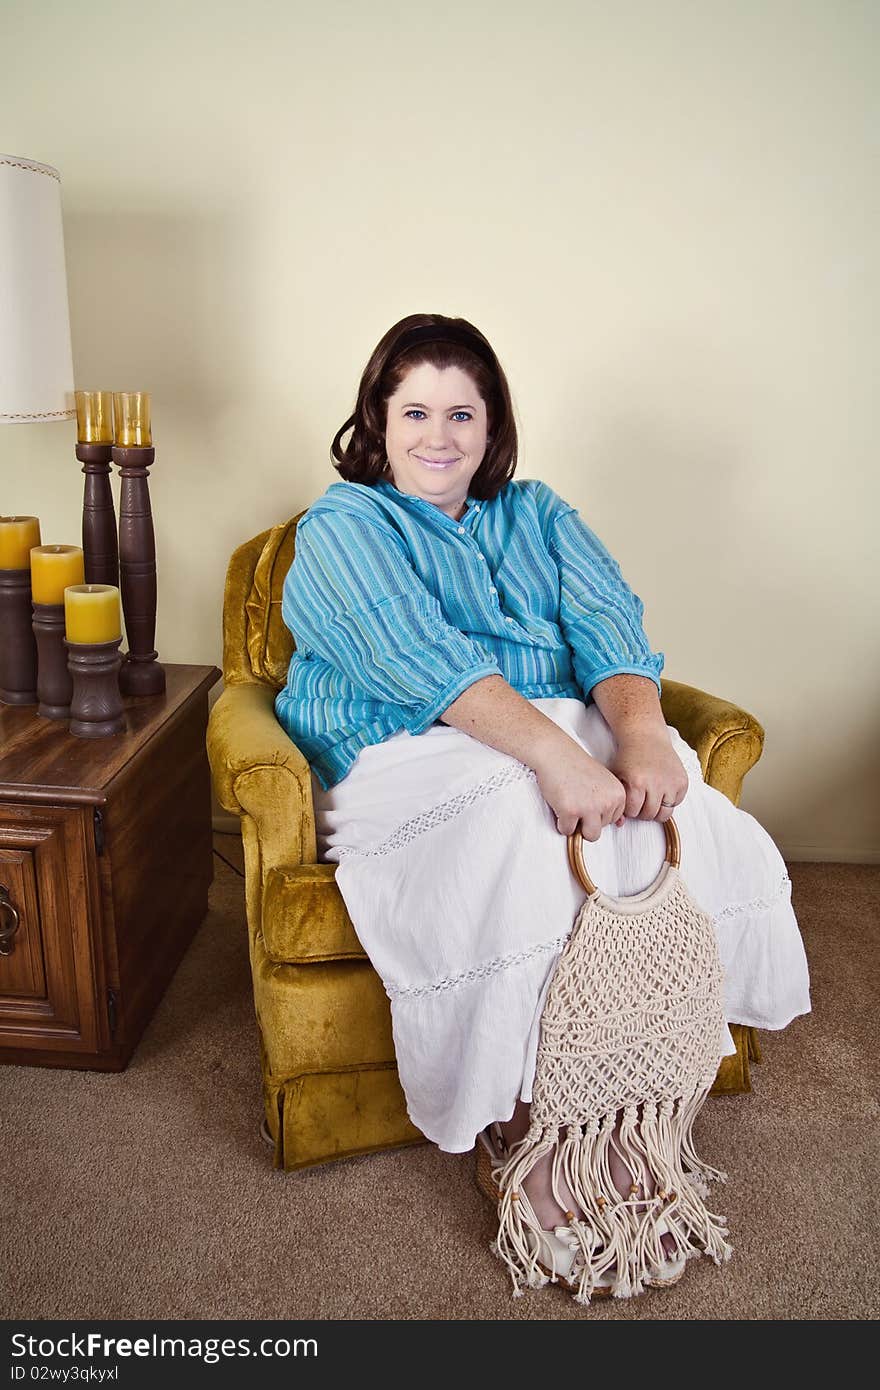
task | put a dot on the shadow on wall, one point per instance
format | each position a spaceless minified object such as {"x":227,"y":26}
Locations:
{"x":840,"y":797}
{"x":720,"y":541}
{"x":710,"y":510}
{"x":185,"y":306}
{"x":687,"y":489}
{"x":158,"y":303}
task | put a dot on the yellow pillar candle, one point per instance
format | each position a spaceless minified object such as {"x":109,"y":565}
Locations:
{"x":53,"y":567}
{"x":92,"y":613}
{"x":131,"y":413}
{"x":18,"y":536}
{"x":94,"y":417}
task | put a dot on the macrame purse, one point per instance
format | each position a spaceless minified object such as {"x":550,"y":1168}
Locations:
{"x":633,"y":1025}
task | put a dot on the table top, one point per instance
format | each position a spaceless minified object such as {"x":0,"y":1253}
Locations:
{"x":40,"y":760}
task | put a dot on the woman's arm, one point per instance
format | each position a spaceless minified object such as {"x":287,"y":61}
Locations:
{"x":599,"y":614}
{"x":645,"y":761}
{"x":576,"y":786}
{"x":493,"y":712}
{"x":601,"y":619}
{"x":630,"y":704}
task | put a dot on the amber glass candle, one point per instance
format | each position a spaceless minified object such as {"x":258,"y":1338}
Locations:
{"x":94,"y":417}
{"x":53,"y":567}
{"x":92,"y":613}
{"x":18,"y":536}
{"x":131,"y":415}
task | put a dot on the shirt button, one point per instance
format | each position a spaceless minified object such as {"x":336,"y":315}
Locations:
{"x":461,"y":530}
{"x":492,"y":589}
{"x":510,"y":620}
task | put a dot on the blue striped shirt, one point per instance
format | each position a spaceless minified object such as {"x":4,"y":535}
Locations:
{"x":396,"y":609}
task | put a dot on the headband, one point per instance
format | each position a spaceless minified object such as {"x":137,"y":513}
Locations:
{"x":436,"y":333}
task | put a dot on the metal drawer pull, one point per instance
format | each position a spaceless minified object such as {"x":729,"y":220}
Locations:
{"x":7,"y":931}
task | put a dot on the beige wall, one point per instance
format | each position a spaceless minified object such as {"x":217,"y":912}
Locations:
{"x":664,"y":215}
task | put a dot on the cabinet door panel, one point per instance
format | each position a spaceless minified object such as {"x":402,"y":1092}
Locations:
{"x":22,"y":976}
{"x":49,"y":986}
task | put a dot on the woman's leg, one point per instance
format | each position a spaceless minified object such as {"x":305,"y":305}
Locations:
{"x":538,"y":1185}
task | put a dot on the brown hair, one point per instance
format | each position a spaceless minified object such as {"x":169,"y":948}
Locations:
{"x":364,"y":459}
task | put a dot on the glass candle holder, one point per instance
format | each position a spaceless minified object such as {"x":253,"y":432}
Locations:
{"x":94,"y":417}
{"x":131,"y":412}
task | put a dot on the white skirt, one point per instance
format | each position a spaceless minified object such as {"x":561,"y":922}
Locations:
{"x":458,"y":884}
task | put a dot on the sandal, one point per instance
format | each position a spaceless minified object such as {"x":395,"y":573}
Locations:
{"x":558,"y":1251}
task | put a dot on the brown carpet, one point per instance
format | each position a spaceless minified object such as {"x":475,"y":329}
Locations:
{"x":149,"y":1194}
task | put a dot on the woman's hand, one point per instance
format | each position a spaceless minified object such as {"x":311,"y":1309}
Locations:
{"x":651,"y":772}
{"x":579,"y":790}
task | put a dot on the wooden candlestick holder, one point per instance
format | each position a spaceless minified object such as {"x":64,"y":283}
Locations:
{"x":54,"y":681}
{"x":96,"y":708}
{"x":141,"y":673}
{"x":100,"y":545}
{"x":18,"y":649}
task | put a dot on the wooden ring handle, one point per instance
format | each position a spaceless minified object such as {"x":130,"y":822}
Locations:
{"x":579,"y":868}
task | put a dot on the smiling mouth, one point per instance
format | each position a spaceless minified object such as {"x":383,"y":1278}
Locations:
{"x":436,"y":463}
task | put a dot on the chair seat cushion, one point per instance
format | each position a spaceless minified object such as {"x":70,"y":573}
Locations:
{"x":305,"y":918}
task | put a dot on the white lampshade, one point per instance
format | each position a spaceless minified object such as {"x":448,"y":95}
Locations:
{"x":36,"y":366}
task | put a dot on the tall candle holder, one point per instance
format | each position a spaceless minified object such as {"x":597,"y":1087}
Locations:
{"x":94,"y":449}
{"x":133,"y":454}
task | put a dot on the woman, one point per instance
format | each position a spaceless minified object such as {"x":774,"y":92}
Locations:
{"x":471,"y":684}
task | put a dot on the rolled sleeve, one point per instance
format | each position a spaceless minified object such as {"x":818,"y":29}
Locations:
{"x":600,"y":616}
{"x":353,"y":598}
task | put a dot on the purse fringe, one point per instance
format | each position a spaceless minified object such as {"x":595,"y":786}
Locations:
{"x":618,"y":1236}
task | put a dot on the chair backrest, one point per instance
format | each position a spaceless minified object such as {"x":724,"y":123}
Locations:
{"x":257,"y":645}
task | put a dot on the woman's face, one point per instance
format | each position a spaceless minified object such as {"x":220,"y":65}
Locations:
{"x":435,"y":436}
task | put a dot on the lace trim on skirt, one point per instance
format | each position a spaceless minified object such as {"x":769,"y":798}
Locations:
{"x":477,"y":972}
{"x":419,"y":825}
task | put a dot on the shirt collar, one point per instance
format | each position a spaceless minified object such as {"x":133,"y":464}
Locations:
{"x":473,"y":505}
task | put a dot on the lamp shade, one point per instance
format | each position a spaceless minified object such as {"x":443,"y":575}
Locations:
{"x":36,"y":366}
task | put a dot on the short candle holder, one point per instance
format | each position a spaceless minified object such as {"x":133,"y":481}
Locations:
{"x":96,"y":708}
{"x":54,"y":681}
{"x":18,"y":650}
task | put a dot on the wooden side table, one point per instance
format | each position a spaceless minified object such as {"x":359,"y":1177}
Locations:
{"x":105,"y":865}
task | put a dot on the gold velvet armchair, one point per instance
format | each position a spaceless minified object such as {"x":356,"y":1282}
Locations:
{"x":330,"y":1084}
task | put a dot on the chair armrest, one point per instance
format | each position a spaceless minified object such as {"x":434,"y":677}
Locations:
{"x":259,"y":772}
{"x":727,"y":740}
